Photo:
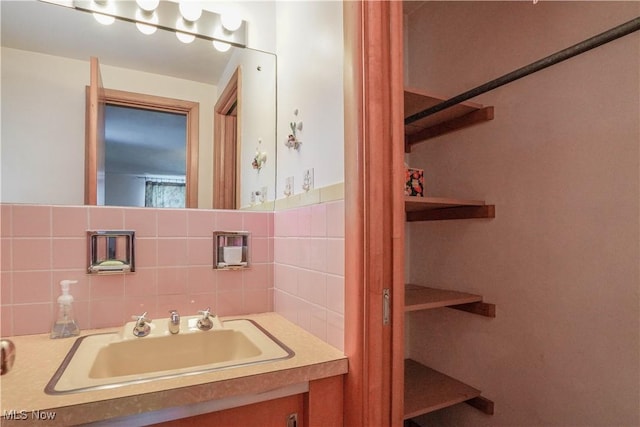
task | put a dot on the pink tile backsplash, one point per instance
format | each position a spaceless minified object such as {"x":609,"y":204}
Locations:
{"x":309,"y":269}
{"x":172,"y":223}
{"x":200,"y":223}
{"x":335,"y":219}
{"x":297,"y":269}
{"x":32,"y":221}
{"x":143,"y":222}
{"x":31,"y":287}
{"x":69,"y":253}
{"x":31,"y":254}
{"x":173,"y":265}
{"x":319,"y":220}
{"x":106,"y":218}
{"x":69,"y":221}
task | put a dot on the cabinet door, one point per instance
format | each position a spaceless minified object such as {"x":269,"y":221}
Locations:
{"x":272,"y":413}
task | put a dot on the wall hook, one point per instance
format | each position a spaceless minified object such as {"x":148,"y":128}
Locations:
{"x":260,"y":158}
{"x":292,"y":140}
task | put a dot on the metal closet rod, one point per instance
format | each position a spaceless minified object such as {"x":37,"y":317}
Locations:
{"x":577,"y":49}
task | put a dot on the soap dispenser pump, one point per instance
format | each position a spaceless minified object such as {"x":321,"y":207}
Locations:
{"x":65,"y":324}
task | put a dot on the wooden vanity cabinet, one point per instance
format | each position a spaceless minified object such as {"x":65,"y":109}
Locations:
{"x":321,"y":406}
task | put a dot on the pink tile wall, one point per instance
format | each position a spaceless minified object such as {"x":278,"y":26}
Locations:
{"x":309,"y":269}
{"x":41,"y":245}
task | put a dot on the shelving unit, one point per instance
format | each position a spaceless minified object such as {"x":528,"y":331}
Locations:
{"x":427,"y":390}
{"x":441,"y":208}
{"x":452,"y":119}
{"x":425,"y":298}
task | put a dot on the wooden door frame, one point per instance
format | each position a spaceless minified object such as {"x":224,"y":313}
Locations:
{"x":374,"y":212}
{"x":158,"y":103}
{"x":227,"y":144}
{"x":94,"y":133}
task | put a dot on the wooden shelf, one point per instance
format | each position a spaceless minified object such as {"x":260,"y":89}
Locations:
{"x":424,"y":298}
{"x":449,"y":120}
{"x":441,"y":208}
{"x":427,"y":390}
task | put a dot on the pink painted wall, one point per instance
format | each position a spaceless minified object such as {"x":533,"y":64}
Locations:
{"x":42,"y":245}
{"x":560,"y":260}
{"x":309,"y":269}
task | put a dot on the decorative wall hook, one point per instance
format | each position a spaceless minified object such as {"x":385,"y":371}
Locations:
{"x":260,"y":158}
{"x":307,"y":180}
{"x":288,"y":186}
{"x":292,"y":140}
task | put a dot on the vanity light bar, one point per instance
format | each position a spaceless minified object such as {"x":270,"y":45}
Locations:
{"x":209,"y":25}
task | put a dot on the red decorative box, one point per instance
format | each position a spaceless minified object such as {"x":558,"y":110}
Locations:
{"x":414,"y":182}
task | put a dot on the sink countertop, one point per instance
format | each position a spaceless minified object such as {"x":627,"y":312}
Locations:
{"x":38,"y":357}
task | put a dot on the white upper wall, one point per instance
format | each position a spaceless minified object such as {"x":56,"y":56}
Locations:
{"x":310,"y":79}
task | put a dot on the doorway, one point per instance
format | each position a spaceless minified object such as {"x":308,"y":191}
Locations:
{"x":145,"y":157}
{"x":98,"y":98}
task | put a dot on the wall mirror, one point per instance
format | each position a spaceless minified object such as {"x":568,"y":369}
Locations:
{"x":46,"y":51}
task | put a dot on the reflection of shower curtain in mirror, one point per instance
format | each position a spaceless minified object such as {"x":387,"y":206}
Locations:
{"x":164,"y":194}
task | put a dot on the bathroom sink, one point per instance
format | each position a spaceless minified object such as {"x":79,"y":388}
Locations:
{"x":116,"y":359}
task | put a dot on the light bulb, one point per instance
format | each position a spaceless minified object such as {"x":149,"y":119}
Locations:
{"x":231,"y":21}
{"x":184,"y":37}
{"x":146,"y":22}
{"x":146,"y":28}
{"x":148,"y":5}
{"x":181,"y":26}
{"x":190,"y":10}
{"x":107,"y":7}
{"x":104,"y":19}
{"x":221,"y":46}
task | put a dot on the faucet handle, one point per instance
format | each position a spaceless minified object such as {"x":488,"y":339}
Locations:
{"x":141,"y":329}
{"x":142,"y":319}
{"x":205,"y":313}
{"x":205,"y":323}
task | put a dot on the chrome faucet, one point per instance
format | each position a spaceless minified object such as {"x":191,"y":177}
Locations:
{"x":205,"y":323}
{"x":142,"y":327}
{"x":174,"y":322}
{"x":8,"y":350}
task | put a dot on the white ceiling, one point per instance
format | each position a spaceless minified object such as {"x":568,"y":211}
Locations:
{"x":56,"y":30}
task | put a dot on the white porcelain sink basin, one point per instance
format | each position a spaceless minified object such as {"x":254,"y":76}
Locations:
{"x":117,"y":359}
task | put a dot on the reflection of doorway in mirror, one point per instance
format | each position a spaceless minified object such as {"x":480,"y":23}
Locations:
{"x":97,"y":100}
{"x":145,"y":157}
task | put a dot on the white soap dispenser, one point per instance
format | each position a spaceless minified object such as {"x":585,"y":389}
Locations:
{"x":65,"y":324}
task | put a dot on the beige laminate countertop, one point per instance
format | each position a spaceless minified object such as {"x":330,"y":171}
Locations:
{"x":38,"y":357}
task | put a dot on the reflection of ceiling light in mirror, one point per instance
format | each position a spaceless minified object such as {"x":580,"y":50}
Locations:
{"x":190,"y":10}
{"x":182,"y":25}
{"x":148,"y":5}
{"x":104,"y":19}
{"x":106,"y":7}
{"x":149,"y":22}
{"x":184,"y":37}
{"x":221,"y":46}
{"x":231,"y":21}
{"x":146,"y":28}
